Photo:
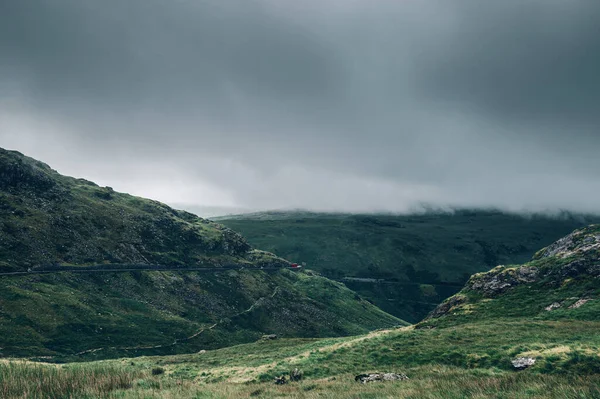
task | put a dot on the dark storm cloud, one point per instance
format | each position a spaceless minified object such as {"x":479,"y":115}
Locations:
{"x":348,"y":105}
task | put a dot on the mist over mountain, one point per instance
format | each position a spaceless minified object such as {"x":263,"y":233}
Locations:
{"x":324,"y":105}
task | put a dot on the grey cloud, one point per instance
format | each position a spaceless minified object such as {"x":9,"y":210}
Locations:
{"x":349,"y":105}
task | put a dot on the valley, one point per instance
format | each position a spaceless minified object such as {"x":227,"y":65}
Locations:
{"x":404,"y":264}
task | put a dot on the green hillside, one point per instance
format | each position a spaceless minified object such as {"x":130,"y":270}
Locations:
{"x":546,"y":309}
{"x":428,"y":250}
{"x":47,"y":218}
{"x":562,"y":282}
{"x":49,"y":222}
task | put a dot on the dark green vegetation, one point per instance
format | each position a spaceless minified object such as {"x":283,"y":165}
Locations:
{"x":428,"y":250}
{"x":48,"y":219}
{"x":128,"y":314}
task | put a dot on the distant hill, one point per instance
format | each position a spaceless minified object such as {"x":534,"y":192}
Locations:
{"x":49,"y":221}
{"x":417,"y":256}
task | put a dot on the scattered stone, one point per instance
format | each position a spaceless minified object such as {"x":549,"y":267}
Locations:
{"x":280,"y":380}
{"x":364,"y":378}
{"x":553,"y":306}
{"x":269,"y":336}
{"x":579,"y":303}
{"x":296,"y":375}
{"x":521,"y":363}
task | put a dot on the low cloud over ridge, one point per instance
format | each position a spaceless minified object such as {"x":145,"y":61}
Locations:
{"x":327,"y":105}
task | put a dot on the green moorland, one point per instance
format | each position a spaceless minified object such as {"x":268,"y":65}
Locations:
{"x":427,"y":250}
{"x":547,"y":309}
{"x":47,"y":219}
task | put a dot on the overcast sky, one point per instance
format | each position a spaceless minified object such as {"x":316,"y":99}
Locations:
{"x":349,"y":105}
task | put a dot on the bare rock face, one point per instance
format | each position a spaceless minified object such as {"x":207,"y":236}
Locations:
{"x":364,"y":378}
{"x":521,"y":363}
{"x":500,"y":279}
{"x":578,"y":242}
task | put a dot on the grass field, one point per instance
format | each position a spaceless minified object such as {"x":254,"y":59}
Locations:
{"x":468,"y":361}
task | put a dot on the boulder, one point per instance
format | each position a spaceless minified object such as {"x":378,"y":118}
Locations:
{"x":296,"y":375}
{"x":280,"y":380}
{"x":521,"y":363}
{"x":364,"y":378}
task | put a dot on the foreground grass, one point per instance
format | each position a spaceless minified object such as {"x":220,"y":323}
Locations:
{"x":20,"y":380}
{"x":30,"y":380}
{"x":465,"y":361}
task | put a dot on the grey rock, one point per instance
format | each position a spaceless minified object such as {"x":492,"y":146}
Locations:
{"x":521,"y":363}
{"x":579,"y":303}
{"x":552,"y":306}
{"x":281,"y":380}
{"x":499,"y":280}
{"x":296,"y":375}
{"x":364,"y":378}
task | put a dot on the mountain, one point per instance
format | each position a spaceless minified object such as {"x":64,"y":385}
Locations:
{"x":405,"y":264}
{"x":84,"y":285}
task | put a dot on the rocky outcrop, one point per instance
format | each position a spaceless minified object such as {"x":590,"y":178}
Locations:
{"x":571,"y":265}
{"x":20,"y":173}
{"x":578,"y":242}
{"x":500,"y":279}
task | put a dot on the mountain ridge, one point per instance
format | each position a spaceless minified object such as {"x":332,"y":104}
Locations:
{"x":55,"y":223}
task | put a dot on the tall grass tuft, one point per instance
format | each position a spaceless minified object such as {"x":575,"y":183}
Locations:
{"x":36,"y":381}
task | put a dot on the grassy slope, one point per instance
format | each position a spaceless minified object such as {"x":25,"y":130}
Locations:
{"x":46,"y":218}
{"x":564,"y":273}
{"x":60,"y":315}
{"x":419,"y":248}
